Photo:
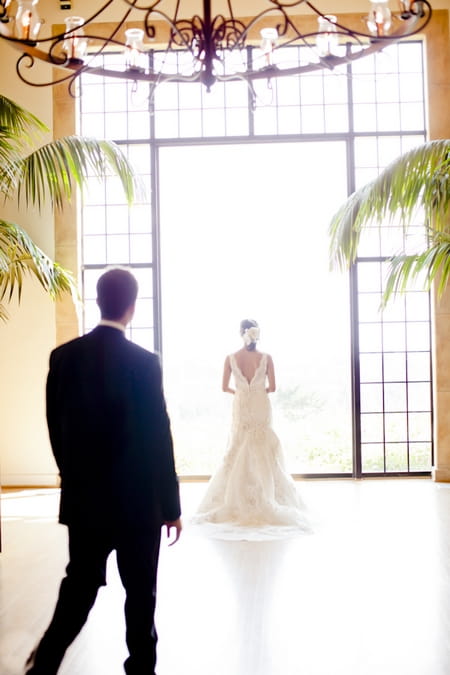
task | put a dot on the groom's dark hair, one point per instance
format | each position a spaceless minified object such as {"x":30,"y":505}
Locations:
{"x":117,"y":290}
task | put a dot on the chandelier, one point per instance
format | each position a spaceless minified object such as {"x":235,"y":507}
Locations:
{"x":155,"y":45}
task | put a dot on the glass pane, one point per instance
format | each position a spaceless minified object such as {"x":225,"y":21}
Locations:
{"x":141,"y":248}
{"x":369,"y":278}
{"x":418,"y":336}
{"x":118,"y":250}
{"x":91,"y":315}
{"x":371,"y":398}
{"x":366,"y":151}
{"x":288,"y":93}
{"x":365,"y":117}
{"x":214,"y":123}
{"x":389,"y":148}
{"x":394,"y":397}
{"x":369,"y":307}
{"x":116,"y":97}
{"x":370,"y":337}
{"x":420,"y":456}
{"x":419,"y":426}
{"x":140,"y":219}
{"x":419,"y":396}
{"x":143,"y":337}
{"x":117,"y":219}
{"x":336,"y":118}
{"x":417,"y":306}
{"x":419,"y":366}
{"x":143,"y":315}
{"x":372,"y":428}
{"x":116,"y":125}
{"x":396,"y":457}
{"x":396,"y":429}
{"x":394,"y":338}
{"x":395,"y":309}
{"x":369,"y":242}
{"x":391,"y":239}
{"x":90,"y":278}
{"x":166,"y":124}
{"x":144,"y":277}
{"x":94,"y":221}
{"x":370,"y":367}
{"x":412,"y":116}
{"x":372,"y":458}
{"x":313,"y":120}
{"x":394,"y":367}
{"x":94,"y":250}
{"x":388,"y":116}
{"x":289,"y":120}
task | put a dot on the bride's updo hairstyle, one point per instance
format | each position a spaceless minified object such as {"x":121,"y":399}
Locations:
{"x":250,"y":333}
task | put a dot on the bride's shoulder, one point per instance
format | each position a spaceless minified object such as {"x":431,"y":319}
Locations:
{"x":268,"y":358}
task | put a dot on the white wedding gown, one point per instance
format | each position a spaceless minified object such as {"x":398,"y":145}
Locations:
{"x":251,"y":495}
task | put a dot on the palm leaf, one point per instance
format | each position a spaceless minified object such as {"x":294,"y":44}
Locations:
{"x":432,"y":264}
{"x":46,"y":174}
{"x":418,"y":179}
{"x":52,"y":171}
{"x":21,"y":125}
{"x":19,"y":257}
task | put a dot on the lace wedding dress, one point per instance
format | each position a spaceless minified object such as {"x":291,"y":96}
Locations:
{"x":252,"y":495}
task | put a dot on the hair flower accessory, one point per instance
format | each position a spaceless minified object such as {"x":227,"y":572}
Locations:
{"x":251,"y":335}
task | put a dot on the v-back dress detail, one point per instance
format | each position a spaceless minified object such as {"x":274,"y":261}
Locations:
{"x":252,"y":489}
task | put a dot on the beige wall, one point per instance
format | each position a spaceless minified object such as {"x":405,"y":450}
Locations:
{"x":26,"y":339}
{"x":37,"y":325}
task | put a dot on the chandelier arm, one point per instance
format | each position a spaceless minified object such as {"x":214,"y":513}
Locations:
{"x":21,"y":63}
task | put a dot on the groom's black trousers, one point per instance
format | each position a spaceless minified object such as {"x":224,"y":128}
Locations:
{"x":137,"y":561}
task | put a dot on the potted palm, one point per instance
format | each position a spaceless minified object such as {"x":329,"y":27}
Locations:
{"x":36,"y":173}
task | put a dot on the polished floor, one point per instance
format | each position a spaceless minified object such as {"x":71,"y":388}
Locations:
{"x":368,"y":593}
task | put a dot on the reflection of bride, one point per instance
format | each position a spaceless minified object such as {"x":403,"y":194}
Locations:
{"x":252,"y":488}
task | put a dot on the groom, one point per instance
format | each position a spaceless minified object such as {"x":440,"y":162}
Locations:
{"x":110,"y":435}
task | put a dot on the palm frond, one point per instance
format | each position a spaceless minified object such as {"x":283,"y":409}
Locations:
{"x":418,"y":179}
{"x":9,"y":152}
{"x":46,"y":174}
{"x":19,"y":256}
{"x":52,"y":171}
{"x":19,"y":123}
{"x":431,"y":264}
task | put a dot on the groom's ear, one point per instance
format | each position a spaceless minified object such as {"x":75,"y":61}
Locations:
{"x":129,"y":313}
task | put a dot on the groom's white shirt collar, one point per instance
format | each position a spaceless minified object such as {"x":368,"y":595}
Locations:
{"x":112,"y":324}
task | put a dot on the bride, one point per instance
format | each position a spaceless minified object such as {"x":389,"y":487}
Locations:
{"x":252,"y":489}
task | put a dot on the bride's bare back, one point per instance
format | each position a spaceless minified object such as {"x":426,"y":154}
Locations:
{"x":248,"y":362}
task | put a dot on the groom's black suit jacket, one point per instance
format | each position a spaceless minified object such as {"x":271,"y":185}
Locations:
{"x":110,"y":433}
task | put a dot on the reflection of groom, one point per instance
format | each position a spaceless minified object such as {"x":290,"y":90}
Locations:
{"x":110,"y":435}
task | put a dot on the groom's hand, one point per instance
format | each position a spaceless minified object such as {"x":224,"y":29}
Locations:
{"x":169,"y":524}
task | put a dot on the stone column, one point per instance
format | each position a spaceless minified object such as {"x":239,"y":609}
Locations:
{"x":438,"y":73}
